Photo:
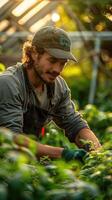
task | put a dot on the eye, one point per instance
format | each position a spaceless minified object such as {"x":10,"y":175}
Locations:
{"x":64,"y":62}
{"x":53,"y":60}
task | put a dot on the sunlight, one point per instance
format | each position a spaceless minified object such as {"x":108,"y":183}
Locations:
{"x":87,"y":18}
{"x":21,"y":8}
{"x":40,"y":23}
{"x":100,"y":26}
{"x":71,"y":71}
{"x":11,"y":30}
{"x":109,"y":16}
{"x":33,"y":12}
{"x":3,"y":2}
{"x":55,"y":17}
{"x":4,"y":24}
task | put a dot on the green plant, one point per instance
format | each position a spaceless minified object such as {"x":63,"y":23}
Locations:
{"x":22,"y":177}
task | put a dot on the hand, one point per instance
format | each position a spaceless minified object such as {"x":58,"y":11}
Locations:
{"x":74,"y":154}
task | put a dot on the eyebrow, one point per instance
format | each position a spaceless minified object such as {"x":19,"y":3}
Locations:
{"x":59,"y":59}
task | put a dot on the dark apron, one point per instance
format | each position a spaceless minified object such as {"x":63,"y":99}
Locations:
{"x":34,"y":120}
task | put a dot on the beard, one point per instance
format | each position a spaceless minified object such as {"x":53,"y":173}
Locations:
{"x":38,"y":74}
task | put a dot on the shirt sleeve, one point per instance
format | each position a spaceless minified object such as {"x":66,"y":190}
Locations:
{"x":67,"y":118}
{"x":11,"y":114}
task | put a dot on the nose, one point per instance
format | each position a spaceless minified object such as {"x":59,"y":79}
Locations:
{"x":58,"y":67}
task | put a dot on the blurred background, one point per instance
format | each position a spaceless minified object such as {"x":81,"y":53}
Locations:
{"x":89,"y":25}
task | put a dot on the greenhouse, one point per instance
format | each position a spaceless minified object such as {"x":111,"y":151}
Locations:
{"x":55,"y":100}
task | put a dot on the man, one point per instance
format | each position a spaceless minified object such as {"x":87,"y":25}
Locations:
{"x":33,"y":93}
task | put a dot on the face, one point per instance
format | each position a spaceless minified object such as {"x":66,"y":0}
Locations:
{"x":47,"y":68}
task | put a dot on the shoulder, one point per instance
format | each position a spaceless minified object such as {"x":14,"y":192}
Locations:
{"x":9,"y":79}
{"x":61,"y":89}
{"x":11,"y":74}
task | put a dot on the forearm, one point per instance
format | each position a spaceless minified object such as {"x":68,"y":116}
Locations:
{"x":87,"y":135}
{"x":52,"y":152}
{"x":39,"y":149}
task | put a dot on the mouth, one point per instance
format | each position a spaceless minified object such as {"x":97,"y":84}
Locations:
{"x":52,"y":75}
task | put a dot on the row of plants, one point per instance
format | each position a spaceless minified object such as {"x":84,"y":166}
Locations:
{"x":23,"y":177}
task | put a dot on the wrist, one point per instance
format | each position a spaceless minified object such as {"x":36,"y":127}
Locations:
{"x":67,"y":154}
{"x":74,"y":154}
{"x":50,"y":151}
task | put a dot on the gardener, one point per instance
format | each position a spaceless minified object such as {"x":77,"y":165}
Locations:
{"x":33,"y":93}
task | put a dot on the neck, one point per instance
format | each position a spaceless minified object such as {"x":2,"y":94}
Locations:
{"x":35,"y":80}
{"x":40,"y":88}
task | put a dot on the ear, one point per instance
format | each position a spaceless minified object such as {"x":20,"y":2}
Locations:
{"x":34,"y":53}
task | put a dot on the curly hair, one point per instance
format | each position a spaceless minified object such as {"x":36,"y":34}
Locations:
{"x":27,"y":49}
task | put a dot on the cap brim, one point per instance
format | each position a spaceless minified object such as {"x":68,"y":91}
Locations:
{"x":58,"y":53}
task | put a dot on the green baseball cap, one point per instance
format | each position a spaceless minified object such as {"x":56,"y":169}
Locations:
{"x":55,"y":41}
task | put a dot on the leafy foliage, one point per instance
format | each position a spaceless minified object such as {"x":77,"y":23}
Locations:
{"x":99,"y":121}
{"x":22,"y":177}
{"x":93,"y":13}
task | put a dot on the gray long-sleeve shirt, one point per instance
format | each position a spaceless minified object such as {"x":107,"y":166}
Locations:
{"x":20,"y":110}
